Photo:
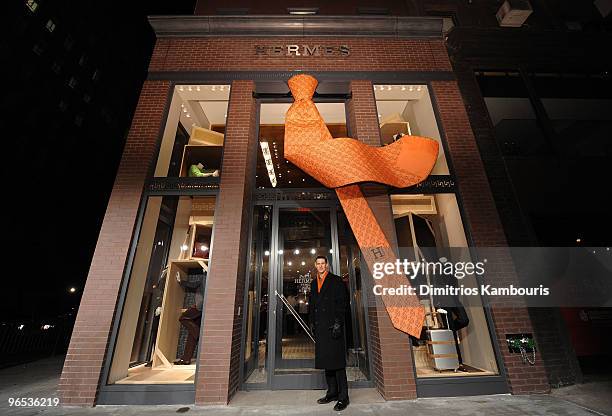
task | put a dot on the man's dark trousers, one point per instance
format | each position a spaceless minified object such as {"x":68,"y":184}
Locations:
{"x":337,"y":384}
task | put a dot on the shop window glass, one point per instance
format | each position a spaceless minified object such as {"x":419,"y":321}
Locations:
{"x":407,"y":110}
{"x":429,"y":227}
{"x":273,"y":170}
{"x":162,"y":312}
{"x":201,"y":111}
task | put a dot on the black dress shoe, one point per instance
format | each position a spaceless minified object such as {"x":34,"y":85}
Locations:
{"x":181,"y":362}
{"x":327,"y":399}
{"x":341,"y":405}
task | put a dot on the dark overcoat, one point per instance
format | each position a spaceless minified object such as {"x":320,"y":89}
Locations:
{"x":325,"y":307}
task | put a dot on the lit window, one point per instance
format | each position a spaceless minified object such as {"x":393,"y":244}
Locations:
{"x":72,"y":83}
{"x":50,"y":25}
{"x":32,"y":5}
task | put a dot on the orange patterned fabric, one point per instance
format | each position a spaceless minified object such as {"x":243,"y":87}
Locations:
{"x":342,"y":163}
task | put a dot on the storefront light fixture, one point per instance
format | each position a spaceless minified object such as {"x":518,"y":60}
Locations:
{"x":578,"y":240}
{"x":280,"y":251}
{"x":203,"y":248}
{"x":303,"y":263}
{"x":72,"y":290}
{"x":296,"y":251}
{"x":267,"y":253}
{"x":290,"y":263}
{"x":313,"y":251}
{"x":265,"y":150}
{"x":184,"y":247}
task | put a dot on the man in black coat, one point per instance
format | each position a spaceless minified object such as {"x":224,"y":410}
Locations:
{"x":328,"y":300}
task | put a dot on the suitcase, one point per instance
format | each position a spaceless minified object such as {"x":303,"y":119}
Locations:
{"x":442,"y":349}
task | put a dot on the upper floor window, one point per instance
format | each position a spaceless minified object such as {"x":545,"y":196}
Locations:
{"x":50,"y":26}
{"x":32,"y":5}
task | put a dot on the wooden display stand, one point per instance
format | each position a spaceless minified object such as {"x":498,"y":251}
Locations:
{"x":391,"y":126}
{"x":205,"y":146}
{"x":174,"y":294}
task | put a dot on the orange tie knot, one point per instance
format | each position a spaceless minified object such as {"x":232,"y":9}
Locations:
{"x":302,"y":86}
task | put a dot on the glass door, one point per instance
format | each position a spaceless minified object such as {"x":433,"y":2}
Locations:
{"x":303,"y":234}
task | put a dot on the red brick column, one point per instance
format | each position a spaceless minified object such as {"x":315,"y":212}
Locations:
{"x":80,"y":377}
{"x":219,"y":358}
{"x":483,"y":221}
{"x":390,"y":353}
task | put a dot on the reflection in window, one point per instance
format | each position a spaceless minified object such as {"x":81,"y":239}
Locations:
{"x":195,"y":131}
{"x":430,"y":227}
{"x":160,"y":326}
{"x":407,"y":110}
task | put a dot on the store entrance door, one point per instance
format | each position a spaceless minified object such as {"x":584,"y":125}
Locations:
{"x":279,"y":347}
{"x":303,"y":234}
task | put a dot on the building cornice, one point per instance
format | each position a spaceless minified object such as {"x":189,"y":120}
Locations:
{"x":300,"y":26}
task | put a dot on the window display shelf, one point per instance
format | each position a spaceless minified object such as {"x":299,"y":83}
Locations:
{"x":209,"y":156}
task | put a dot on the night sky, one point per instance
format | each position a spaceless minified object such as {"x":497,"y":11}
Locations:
{"x":63,"y":152}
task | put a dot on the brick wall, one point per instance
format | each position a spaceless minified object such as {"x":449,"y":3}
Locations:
{"x":391,"y":355}
{"x":81,"y":374}
{"x":486,"y":230}
{"x":219,"y":358}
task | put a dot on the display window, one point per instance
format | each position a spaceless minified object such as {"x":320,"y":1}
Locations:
{"x":273,"y":170}
{"x":162,"y":312}
{"x":194,"y":133}
{"x":407,"y":110}
{"x":455,"y":340}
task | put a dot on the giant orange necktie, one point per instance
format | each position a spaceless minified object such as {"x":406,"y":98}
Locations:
{"x":341,"y":164}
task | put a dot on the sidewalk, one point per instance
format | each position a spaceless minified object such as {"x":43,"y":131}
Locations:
{"x":39,"y":379}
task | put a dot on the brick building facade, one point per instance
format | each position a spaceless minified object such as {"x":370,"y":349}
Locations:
{"x":191,"y":53}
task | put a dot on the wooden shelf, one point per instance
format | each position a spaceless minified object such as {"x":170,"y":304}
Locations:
{"x":209,"y":156}
{"x":388,"y":130}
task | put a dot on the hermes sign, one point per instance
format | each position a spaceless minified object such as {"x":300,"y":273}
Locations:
{"x":302,"y":50}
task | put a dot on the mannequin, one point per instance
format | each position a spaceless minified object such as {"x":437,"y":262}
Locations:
{"x":192,"y":317}
{"x":198,"y":171}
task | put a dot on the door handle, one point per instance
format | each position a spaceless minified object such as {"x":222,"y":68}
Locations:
{"x":295,"y":315}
